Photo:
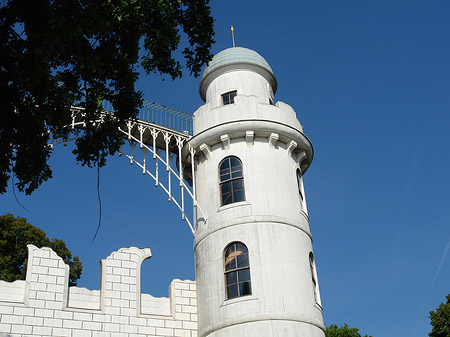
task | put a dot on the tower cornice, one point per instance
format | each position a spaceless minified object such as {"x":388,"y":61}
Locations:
{"x":259,"y":128}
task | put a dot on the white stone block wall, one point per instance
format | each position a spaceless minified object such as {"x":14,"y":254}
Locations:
{"x":44,"y":305}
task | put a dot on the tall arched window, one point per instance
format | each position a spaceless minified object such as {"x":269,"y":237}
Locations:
{"x":315,"y":285}
{"x":231,"y":180}
{"x":301,"y":190}
{"x":237,"y":270}
{"x":299,"y":184}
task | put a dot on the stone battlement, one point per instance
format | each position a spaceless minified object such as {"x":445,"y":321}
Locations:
{"x":44,"y":305}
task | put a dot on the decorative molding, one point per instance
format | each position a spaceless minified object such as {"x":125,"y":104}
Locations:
{"x":273,"y":139}
{"x":206,"y":150}
{"x":225,"y":139}
{"x":291,"y":146}
{"x":249,"y":135}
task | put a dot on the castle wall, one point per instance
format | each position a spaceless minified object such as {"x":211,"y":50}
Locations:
{"x":44,"y":305}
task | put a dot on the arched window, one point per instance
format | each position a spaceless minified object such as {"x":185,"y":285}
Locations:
{"x":312,"y":266}
{"x":231,"y":180}
{"x":237,"y":271}
{"x":299,"y":184}
{"x":301,"y":190}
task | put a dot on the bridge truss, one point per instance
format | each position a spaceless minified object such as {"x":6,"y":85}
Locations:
{"x":157,"y":136}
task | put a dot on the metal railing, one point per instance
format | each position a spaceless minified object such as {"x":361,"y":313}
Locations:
{"x":160,"y":133}
{"x":162,"y":115}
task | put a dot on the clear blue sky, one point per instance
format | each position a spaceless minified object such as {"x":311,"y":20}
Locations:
{"x":370,"y":81}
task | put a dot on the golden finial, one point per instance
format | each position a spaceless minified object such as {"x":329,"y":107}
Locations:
{"x":232,"y":34}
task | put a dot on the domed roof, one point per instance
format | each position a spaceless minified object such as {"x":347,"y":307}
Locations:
{"x":236,"y":58}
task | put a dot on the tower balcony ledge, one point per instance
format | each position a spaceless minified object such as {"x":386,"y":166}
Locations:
{"x":260,"y":128}
{"x":244,"y":107}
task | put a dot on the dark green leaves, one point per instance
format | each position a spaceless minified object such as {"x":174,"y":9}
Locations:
{"x":55,"y":53}
{"x":440,"y":320}
{"x":343,"y":331}
{"x":15,"y":235}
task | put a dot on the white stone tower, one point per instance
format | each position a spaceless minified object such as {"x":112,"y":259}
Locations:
{"x":255,"y":266}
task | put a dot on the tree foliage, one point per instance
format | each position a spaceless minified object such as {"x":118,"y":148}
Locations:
{"x":343,"y":331}
{"x":15,"y":235}
{"x":440,"y":320}
{"x":55,"y":53}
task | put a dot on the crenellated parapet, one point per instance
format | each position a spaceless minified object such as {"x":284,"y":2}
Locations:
{"x":120,"y":288}
{"x":43,"y":304}
{"x":47,"y":279}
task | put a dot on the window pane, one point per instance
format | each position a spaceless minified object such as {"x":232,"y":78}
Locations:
{"x":237,"y":252}
{"x":299,"y":183}
{"x":236,"y":168}
{"x":230,"y":263}
{"x":226,"y":199}
{"x":242,"y":261}
{"x":231,"y":278}
{"x":238,"y":196}
{"x":226,"y":187}
{"x":230,"y":249}
{"x":225,"y":175}
{"x":236,"y":172}
{"x":235,"y":162}
{"x":225,"y":164}
{"x":232,"y":96}
{"x":244,"y":275}
{"x":226,"y":99}
{"x":225,"y":171}
{"x":245,"y":289}
{"x":241,"y":247}
{"x":238,"y":184}
{"x":299,"y":175}
{"x":232,"y":291}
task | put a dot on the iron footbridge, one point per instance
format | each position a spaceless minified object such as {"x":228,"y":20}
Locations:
{"x":153,"y":139}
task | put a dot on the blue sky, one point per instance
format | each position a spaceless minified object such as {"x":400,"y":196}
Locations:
{"x":370,"y":82}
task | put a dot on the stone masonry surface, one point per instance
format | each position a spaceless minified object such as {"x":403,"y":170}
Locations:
{"x":44,"y":305}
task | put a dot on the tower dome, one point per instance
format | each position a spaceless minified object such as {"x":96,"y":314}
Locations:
{"x":233,"y":59}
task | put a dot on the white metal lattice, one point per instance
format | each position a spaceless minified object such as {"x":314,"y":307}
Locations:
{"x":154,"y":139}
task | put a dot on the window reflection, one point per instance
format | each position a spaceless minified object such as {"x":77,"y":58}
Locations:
{"x":237,"y":271}
{"x":228,"y":98}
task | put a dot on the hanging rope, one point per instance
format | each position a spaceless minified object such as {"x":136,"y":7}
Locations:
{"x":99,"y":203}
{"x":14,"y":192}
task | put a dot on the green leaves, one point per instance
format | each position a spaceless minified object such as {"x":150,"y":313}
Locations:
{"x":343,"y":331}
{"x":440,"y":320}
{"x":15,"y":235}
{"x":53,"y":53}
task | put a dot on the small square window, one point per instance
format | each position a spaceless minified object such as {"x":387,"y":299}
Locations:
{"x":228,"y":98}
